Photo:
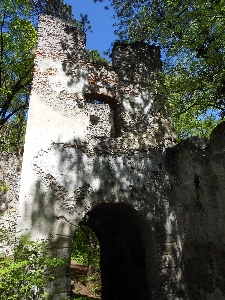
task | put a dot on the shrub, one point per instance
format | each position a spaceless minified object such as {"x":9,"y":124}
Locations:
{"x":25,"y":274}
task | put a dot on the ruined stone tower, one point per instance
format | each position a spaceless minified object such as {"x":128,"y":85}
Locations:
{"x":100,"y":150}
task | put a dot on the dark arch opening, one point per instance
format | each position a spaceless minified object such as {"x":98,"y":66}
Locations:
{"x":123,"y":260}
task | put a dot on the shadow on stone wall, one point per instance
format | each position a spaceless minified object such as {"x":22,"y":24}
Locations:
{"x":125,"y":197}
{"x":166,"y":206}
{"x":196,"y":168}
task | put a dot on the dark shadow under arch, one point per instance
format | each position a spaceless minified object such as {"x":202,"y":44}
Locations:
{"x":123,"y":245}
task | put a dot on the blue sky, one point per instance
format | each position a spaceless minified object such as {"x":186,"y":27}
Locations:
{"x":101,"y":23}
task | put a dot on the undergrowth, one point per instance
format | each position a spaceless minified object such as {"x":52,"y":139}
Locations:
{"x":25,"y":274}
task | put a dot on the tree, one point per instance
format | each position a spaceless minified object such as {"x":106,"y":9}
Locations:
{"x":17,"y":40}
{"x":95,"y":56}
{"x":191,"y":36}
{"x":56,"y":8}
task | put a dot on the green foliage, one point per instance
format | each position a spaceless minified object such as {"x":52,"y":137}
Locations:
{"x":25,"y":275}
{"x":56,"y":8}
{"x":3,"y":186}
{"x":83,"y":24}
{"x":191,"y":117}
{"x":191,"y":36}
{"x":95,"y":56}
{"x":80,"y":247}
{"x":17,"y":41}
{"x":191,"y":124}
{"x":96,"y":284}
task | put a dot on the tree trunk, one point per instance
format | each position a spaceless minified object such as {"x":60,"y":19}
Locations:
{"x":91,"y":252}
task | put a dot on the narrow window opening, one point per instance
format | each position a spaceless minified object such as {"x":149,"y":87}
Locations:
{"x":102,"y":110}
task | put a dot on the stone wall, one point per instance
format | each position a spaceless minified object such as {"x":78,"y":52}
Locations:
{"x":197,"y":177}
{"x":10,"y":172}
{"x":156,"y":208}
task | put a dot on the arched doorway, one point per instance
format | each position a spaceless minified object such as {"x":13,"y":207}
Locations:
{"x":124,"y":242}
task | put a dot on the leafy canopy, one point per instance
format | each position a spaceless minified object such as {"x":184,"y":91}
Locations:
{"x":17,"y":40}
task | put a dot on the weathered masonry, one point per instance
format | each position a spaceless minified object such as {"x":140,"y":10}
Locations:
{"x":100,"y":150}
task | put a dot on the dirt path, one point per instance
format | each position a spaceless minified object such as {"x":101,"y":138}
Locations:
{"x":82,"y":285}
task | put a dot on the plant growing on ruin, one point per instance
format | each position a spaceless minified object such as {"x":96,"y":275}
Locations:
{"x":3,"y":186}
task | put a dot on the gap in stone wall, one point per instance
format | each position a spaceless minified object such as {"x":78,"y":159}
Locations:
{"x":102,"y":115}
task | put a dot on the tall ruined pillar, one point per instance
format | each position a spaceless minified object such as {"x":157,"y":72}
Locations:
{"x":55,"y":117}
